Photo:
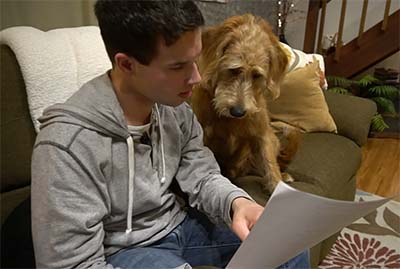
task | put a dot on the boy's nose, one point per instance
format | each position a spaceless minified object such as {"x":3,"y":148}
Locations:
{"x":195,"y":78}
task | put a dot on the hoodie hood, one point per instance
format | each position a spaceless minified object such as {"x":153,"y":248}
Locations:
{"x":87,"y":108}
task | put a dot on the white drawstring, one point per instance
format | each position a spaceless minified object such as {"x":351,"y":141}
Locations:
{"x":162,"y":180}
{"x":131,"y":176}
{"x":131,"y":173}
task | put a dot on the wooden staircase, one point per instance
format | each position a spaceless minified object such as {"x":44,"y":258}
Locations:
{"x":370,"y":47}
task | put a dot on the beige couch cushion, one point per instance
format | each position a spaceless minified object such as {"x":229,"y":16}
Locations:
{"x":301,"y":102}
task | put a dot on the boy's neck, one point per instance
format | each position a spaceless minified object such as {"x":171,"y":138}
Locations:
{"x":137,"y":108}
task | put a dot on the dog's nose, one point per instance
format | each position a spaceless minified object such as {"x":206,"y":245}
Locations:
{"x":237,"y":111}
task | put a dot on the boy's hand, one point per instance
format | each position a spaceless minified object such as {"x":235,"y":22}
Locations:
{"x":245,"y":215}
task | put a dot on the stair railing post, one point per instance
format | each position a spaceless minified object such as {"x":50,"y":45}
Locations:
{"x":386,"y":15}
{"x":340,"y":34}
{"x":362,"y":21}
{"x":321,"y":26}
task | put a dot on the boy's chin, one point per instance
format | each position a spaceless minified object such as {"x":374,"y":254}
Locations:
{"x":173,"y":103}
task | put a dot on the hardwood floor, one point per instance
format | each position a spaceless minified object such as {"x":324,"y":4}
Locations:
{"x":380,"y":167}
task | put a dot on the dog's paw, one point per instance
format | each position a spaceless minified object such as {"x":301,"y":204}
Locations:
{"x":287,"y":178}
{"x":269,"y":186}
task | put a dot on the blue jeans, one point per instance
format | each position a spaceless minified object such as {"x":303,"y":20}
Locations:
{"x":196,"y":241}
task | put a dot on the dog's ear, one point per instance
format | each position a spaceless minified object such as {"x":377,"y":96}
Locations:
{"x":215,"y":40}
{"x":207,"y":62}
{"x":278,"y":62}
{"x":219,"y":37}
{"x":277,"y":65}
{"x":207,"y":35}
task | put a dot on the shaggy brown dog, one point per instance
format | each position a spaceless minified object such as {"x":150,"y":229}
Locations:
{"x":241,"y":66}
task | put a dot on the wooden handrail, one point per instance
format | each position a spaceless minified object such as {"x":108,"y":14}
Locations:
{"x":311,"y":25}
{"x":376,"y":45}
{"x":362,"y":22}
{"x":386,"y":15}
{"x":340,"y":33}
{"x":366,"y":49}
{"x":321,"y":26}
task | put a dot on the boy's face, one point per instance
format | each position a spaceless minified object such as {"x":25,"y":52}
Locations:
{"x":171,"y":75}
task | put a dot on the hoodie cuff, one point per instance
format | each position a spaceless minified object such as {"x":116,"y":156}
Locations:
{"x":228,"y":204}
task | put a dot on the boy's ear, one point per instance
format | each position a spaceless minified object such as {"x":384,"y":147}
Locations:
{"x":125,"y":63}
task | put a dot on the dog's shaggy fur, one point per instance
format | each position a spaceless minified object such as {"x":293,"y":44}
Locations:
{"x":242,"y":65}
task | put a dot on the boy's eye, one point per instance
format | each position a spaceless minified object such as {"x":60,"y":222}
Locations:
{"x":177,"y":67}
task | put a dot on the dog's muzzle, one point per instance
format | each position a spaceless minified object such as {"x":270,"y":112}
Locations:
{"x":237,"y":112}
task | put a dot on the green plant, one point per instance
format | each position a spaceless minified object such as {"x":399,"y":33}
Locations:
{"x":372,"y":88}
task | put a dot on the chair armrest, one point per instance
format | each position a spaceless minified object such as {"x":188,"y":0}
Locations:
{"x":352,"y":115}
{"x":17,"y":132}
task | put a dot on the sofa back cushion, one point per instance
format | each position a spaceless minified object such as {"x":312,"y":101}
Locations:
{"x":352,"y":115}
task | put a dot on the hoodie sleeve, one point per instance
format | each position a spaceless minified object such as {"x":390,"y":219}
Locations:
{"x":199,"y":176}
{"x":67,"y":211}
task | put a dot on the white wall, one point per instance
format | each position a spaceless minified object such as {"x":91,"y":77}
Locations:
{"x":47,"y":14}
{"x":296,"y":27}
{"x":392,"y":62}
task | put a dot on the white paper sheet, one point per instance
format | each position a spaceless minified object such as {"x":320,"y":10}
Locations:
{"x":293,"y":221}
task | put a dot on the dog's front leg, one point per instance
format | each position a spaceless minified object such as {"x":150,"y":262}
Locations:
{"x":239,"y":163}
{"x":269,"y":153}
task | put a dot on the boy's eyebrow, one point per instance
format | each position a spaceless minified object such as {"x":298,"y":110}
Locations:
{"x":178,"y":63}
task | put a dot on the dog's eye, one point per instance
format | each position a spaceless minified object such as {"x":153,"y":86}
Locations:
{"x":256,"y":75}
{"x":235,"y":71}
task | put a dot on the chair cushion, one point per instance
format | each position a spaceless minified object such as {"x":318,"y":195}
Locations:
{"x":326,"y":160}
{"x":352,"y":115}
{"x":11,"y":199}
{"x":76,"y":54}
{"x":325,"y":165}
{"x":16,"y":235}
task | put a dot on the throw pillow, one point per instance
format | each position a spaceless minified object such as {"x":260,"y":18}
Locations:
{"x":301,"y":103}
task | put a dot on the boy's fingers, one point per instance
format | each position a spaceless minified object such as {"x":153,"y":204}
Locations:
{"x":241,"y":229}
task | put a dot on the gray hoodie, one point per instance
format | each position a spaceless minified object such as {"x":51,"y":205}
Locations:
{"x":95,"y":190}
